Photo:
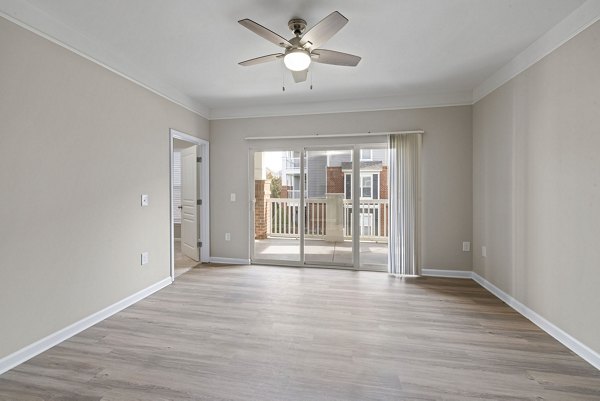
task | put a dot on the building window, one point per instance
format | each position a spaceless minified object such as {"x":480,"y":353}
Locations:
{"x":375,"y":186}
{"x":369,"y":186}
{"x":348,"y":186}
{"x":366,"y":186}
{"x":366,"y":154}
{"x":293,"y":181}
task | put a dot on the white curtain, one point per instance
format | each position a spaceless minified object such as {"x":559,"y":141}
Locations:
{"x":404,"y":195}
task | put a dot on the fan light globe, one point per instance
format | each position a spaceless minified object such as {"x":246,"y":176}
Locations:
{"x":297,"y":60}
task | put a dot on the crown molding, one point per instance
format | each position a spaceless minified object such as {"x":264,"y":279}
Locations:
{"x":413,"y":101}
{"x":35,"y":20}
{"x":581,"y":18}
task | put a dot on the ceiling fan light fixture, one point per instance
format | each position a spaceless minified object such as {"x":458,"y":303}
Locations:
{"x":297,"y":60}
{"x":304,"y":48}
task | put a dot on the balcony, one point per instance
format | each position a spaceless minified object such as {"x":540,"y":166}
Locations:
{"x":292,"y":162}
{"x":325,"y":239}
{"x":283,"y":219}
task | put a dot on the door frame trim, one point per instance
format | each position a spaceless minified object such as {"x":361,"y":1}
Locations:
{"x":302,"y":149}
{"x":204,"y":229}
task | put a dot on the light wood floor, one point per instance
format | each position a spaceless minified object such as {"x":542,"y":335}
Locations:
{"x":268,"y":333}
{"x":183,"y":264}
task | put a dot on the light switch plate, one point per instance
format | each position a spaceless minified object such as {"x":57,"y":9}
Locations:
{"x":227,"y":236}
{"x":145,"y":200}
{"x":483,"y":251}
{"x":232,"y":197}
{"x":145,"y":258}
{"x":466,"y":246}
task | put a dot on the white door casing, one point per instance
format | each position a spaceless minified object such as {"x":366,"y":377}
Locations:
{"x":189,"y":202}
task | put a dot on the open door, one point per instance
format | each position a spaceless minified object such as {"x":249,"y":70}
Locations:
{"x":190,"y":204}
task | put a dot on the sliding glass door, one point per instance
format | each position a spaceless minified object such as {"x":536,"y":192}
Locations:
{"x":328,"y":205}
{"x":320,"y":207}
{"x":276,"y":207}
{"x":373,"y":207}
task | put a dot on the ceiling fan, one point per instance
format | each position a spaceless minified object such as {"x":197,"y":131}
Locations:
{"x":303,"y":48}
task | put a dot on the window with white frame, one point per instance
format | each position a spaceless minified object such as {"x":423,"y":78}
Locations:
{"x":369,"y":185}
{"x":293,"y":180}
{"x":366,"y":186}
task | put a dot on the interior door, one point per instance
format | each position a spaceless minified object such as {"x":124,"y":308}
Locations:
{"x":189,"y":203}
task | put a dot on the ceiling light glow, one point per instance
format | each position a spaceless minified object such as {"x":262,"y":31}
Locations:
{"x":297,"y":60}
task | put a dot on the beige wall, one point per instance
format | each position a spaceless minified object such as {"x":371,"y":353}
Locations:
{"x":536,"y":165}
{"x":447,"y":174}
{"x":78,"y":145}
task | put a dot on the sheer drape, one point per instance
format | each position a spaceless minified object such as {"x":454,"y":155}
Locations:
{"x":404,"y":233}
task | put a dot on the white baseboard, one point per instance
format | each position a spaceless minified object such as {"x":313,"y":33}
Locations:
{"x":446,"y":273}
{"x":50,"y":341}
{"x":566,"y":339}
{"x":28,"y":352}
{"x":560,"y":335}
{"x":229,"y":261}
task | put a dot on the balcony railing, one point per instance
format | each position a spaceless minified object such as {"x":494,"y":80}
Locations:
{"x":283,"y":218}
{"x":373,"y":219}
{"x":292,"y":162}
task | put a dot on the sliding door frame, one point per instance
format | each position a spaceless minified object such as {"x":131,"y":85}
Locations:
{"x":252,"y":202}
{"x":372,"y":146}
{"x":301,"y":262}
{"x":355,"y":265}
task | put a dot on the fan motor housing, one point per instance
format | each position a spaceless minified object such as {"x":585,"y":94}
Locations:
{"x":297,"y":25}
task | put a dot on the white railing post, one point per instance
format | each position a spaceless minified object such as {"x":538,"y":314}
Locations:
{"x":284,"y":213}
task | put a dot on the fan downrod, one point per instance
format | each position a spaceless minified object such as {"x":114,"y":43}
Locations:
{"x":297,"y":25}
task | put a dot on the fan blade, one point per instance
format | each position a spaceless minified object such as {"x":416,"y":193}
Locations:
{"x":300,"y":76}
{"x":323,"y":31}
{"x":265,"y":33}
{"x":260,"y":60}
{"x":335,"y":58}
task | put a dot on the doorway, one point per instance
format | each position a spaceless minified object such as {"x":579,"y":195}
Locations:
{"x":304,"y":201}
{"x":189,"y":202}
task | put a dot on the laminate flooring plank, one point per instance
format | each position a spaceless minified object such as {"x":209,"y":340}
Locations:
{"x":248,"y":333}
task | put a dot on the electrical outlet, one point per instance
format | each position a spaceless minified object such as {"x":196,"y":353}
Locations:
{"x":145,"y":200}
{"x":227,"y":236}
{"x":466,"y":246}
{"x":145,"y":258}
{"x":483,"y":251}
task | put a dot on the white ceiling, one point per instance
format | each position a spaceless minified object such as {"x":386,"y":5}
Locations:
{"x":189,"y":50}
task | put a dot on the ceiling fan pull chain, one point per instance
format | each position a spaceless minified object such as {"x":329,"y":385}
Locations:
{"x":282,"y":77}
{"x":311,"y":72}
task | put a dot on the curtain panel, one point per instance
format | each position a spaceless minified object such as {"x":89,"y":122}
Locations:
{"x":405,"y":199}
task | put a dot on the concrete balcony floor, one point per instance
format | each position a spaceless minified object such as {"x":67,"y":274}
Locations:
{"x":320,"y":251}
